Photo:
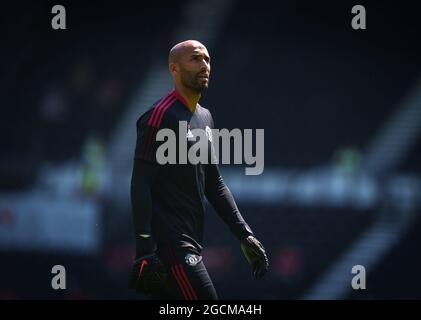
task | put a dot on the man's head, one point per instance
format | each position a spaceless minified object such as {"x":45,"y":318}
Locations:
{"x":189,"y":65}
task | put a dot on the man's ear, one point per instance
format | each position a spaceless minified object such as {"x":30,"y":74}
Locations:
{"x":173,"y":68}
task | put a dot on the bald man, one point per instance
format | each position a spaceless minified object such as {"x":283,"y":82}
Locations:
{"x":168,"y":201}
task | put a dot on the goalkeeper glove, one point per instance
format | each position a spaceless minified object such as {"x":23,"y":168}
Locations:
{"x":256,"y":256}
{"x":148,"y":275}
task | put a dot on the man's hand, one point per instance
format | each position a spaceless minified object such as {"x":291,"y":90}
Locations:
{"x":255,"y":255}
{"x":148,"y":275}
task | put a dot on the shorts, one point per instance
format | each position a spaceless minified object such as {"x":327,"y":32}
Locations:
{"x":187,"y":277}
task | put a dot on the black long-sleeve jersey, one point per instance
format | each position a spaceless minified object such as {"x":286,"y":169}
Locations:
{"x":169,"y":201}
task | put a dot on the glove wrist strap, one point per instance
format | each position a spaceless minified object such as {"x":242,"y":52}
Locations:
{"x":144,"y":245}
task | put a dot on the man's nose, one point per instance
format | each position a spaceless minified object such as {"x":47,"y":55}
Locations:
{"x":204,"y":67}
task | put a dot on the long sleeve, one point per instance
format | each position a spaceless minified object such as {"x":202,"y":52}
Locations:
{"x":144,"y":174}
{"x":143,"y":177}
{"x":220,"y":197}
{"x":145,"y":171}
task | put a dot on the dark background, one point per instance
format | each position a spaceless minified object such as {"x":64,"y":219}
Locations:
{"x":321,"y":90}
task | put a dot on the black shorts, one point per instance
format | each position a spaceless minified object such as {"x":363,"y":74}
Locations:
{"x":187,"y":278}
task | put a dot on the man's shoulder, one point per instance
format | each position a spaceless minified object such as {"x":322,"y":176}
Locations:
{"x":144,"y":117}
{"x":203,"y":109}
{"x":206,"y":113}
{"x":157,"y":115}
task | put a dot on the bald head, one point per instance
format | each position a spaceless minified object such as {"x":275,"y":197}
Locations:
{"x":184,"y":49}
{"x":189,"y":65}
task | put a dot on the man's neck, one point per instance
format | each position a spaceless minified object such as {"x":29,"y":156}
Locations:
{"x":191,"y":97}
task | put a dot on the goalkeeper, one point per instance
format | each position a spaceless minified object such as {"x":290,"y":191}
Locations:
{"x":168,"y":201}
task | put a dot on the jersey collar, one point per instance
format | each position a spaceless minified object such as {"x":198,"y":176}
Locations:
{"x":181,"y":99}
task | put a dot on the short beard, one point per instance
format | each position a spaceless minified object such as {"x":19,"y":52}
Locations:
{"x":191,"y":82}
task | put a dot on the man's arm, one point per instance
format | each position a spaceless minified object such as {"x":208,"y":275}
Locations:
{"x":145,"y":172}
{"x":143,"y":177}
{"x":220,"y":197}
{"x":222,"y":200}
{"x":147,"y":272}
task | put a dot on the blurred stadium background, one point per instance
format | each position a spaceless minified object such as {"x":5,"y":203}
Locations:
{"x":341,"y":111}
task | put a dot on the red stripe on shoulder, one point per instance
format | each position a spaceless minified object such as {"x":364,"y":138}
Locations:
{"x":162,"y":111}
{"x":160,"y":104}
